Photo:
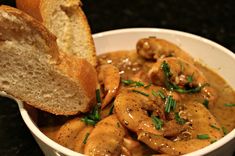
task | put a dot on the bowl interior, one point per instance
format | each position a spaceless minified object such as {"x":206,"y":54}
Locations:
{"x":209,"y":53}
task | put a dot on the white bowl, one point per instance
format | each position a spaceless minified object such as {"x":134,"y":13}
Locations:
{"x":215,"y":56}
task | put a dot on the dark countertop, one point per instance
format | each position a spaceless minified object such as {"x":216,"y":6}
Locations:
{"x":209,"y":18}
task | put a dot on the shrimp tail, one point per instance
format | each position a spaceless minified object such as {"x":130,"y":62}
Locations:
{"x":109,"y":96}
{"x":163,"y":145}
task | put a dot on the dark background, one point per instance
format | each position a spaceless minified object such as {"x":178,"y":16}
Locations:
{"x":212,"y":19}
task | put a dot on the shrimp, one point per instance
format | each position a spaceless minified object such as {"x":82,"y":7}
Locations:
{"x":67,"y":133}
{"x":201,"y":121}
{"x":175,"y":72}
{"x":106,"y":138}
{"x":132,"y":147}
{"x":80,"y":140}
{"x":172,"y":128}
{"x":132,"y":105}
{"x":109,"y":76}
{"x":154,"y":48}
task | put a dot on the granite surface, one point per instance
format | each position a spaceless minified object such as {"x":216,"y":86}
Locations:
{"x":212,"y":19}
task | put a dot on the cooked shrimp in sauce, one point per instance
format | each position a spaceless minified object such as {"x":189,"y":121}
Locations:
{"x":155,"y":100}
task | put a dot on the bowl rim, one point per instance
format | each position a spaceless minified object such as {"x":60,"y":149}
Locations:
{"x":59,"y":148}
{"x":166,"y":31}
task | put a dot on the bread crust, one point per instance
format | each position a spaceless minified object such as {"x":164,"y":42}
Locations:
{"x":80,"y":69}
{"x":49,"y":37}
{"x":31,"y":7}
{"x":73,"y":70}
{"x":38,"y":10}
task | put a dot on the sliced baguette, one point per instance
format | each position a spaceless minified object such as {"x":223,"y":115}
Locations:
{"x":33,"y":70}
{"x":66,"y":20}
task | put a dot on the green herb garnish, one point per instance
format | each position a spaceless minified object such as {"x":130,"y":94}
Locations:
{"x":154,"y":93}
{"x":147,"y":86}
{"x":131,"y":82}
{"x":203,"y":136}
{"x":127,"y":82}
{"x":170,"y":103}
{"x":178,"y":119}
{"x":161,"y":94}
{"x":158,"y":93}
{"x":94,"y":116}
{"x":213,"y":141}
{"x":215,"y":127}
{"x":191,"y":90}
{"x":206,"y":103}
{"x":190,"y":78}
{"x":98,"y":97}
{"x":158,"y":123}
{"x":137,"y":91}
{"x":166,"y":69}
{"x":95,"y":113}
{"x":171,"y":86}
{"x":88,"y":121}
{"x":86,"y":137}
{"x":111,"y":109}
{"x":139,"y":84}
{"x":225,"y":131}
{"x":229,"y":104}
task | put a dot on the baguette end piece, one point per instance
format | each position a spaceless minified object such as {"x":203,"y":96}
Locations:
{"x":67,"y":21}
{"x":32,"y":69}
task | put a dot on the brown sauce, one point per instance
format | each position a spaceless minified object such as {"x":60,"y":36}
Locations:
{"x":224,"y":115}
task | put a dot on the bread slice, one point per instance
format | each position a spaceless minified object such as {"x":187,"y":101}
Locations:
{"x":33,"y":70}
{"x":66,"y":20}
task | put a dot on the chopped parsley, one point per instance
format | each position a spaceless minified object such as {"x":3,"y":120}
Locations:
{"x":158,"y":123}
{"x":203,"y":136}
{"x":142,"y":93}
{"x":86,"y":137}
{"x":213,"y":141}
{"x":178,"y":119}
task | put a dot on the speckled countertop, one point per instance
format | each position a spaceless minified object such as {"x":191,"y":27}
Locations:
{"x":212,"y":19}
